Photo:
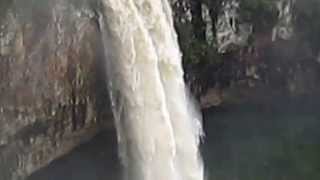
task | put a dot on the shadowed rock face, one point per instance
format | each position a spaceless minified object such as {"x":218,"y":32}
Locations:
{"x":249,"y":50}
{"x":50,"y":54}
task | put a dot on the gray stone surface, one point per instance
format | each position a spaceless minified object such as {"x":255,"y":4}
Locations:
{"x":50,"y":78}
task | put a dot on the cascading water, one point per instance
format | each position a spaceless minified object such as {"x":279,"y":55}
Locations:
{"x":158,"y":128}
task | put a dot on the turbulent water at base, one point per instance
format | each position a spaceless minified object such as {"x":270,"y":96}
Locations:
{"x":158,"y":128}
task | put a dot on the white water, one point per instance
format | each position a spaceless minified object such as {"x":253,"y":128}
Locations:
{"x":158,"y":128}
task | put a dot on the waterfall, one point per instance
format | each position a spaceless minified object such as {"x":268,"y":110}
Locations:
{"x":158,"y":127}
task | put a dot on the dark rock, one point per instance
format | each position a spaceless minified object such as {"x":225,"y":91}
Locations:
{"x":250,"y":50}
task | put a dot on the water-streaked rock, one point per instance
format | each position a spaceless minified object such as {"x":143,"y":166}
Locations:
{"x":51,"y":94}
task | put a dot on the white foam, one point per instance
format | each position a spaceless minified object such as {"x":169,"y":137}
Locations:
{"x":158,"y":129}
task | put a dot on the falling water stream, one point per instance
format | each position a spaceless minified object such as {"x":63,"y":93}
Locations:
{"x":158,"y":127}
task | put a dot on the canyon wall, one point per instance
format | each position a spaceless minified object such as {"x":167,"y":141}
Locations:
{"x":52,"y":84}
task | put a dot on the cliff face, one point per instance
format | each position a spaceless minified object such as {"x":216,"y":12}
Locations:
{"x":52,"y":91}
{"x":254,"y":50}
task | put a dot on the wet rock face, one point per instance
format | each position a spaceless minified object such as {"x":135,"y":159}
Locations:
{"x":52,"y":91}
{"x":249,"y":45}
{"x":229,"y":31}
{"x":284,"y":28}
